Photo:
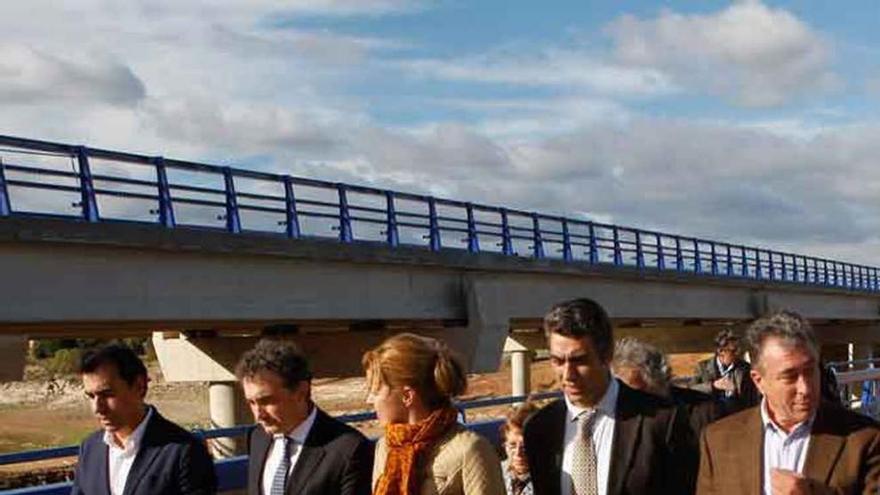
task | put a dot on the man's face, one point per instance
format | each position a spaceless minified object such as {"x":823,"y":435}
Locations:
{"x":727,"y":354}
{"x":788,"y":376}
{"x":275,"y":407}
{"x":581,"y":372}
{"x":117,"y":405}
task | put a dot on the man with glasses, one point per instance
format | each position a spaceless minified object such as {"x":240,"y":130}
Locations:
{"x":726,"y":375}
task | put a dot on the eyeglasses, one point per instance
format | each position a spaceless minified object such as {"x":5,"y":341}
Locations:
{"x":515,"y":446}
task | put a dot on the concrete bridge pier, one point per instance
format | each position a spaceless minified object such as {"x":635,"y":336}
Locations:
{"x":13,"y":349}
{"x":227,"y":409}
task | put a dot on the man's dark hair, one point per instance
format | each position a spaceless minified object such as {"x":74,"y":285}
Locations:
{"x":725,"y":337}
{"x":127,"y":363}
{"x":280,"y":357}
{"x":582,"y":318}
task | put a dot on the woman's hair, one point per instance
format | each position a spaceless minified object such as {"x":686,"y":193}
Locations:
{"x":516,"y":417}
{"x":425,"y":364}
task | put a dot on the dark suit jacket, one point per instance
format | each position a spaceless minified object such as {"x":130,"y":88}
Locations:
{"x":335,"y":459}
{"x":649,"y":451}
{"x":746,"y":394}
{"x":170,"y":460}
{"x":843,"y":456}
{"x":701,"y":409}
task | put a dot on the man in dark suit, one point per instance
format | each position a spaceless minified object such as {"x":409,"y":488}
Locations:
{"x":297,"y":448}
{"x":137,"y":451}
{"x":603,"y":437}
{"x":793,"y":442}
{"x":726,"y":375}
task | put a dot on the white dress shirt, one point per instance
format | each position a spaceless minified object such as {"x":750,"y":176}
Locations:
{"x":297,"y":438}
{"x":603,"y":435}
{"x":724,"y":371}
{"x":783,"y":450}
{"x":120,"y":459}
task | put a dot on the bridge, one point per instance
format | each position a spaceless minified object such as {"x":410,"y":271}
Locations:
{"x":208,"y":258}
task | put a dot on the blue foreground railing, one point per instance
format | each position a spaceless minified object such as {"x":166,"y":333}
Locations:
{"x":105,"y":186}
{"x":232,"y":472}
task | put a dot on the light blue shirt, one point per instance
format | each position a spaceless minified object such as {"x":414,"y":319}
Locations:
{"x":783,"y":450}
{"x":603,"y":436}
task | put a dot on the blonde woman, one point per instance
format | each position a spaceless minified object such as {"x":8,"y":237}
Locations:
{"x":425,"y":451}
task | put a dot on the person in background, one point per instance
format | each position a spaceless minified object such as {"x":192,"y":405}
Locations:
{"x":297,"y":448}
{"x":515,"y":466}
{"x":411,"y":382}
{"x":136,"y":451}
{"x":726,"y":375}
{"x":793,"y":443}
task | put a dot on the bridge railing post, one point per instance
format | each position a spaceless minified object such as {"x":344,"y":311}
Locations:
{"x":5,"y":204}
{"x":88,"y":201}
{"x":618,"y":254}
{"x":679,"y":256}
{"x":391,"y":234}
{"x":661,"y":257}
{"x":594,"y":244}
{"x":506,"y":241}
{"x":566,"y":241}
{"x":745,"y":262}
{"x":472,"y":239}
{"x":714,"y":259}
{"x":538,"y":246}
{"x":698,"y":266}
{"x":794,"y":269}
{"x":345,"y":233}
{"x":771,"y":266}
{"x":758,"y":271}
{"x":233,"y":222}
{"x":433,"y":225}
{"x":291,"y":220}
{"x":166,"y":209}
{"x":729,"y":261}
{"x":640,"y":252}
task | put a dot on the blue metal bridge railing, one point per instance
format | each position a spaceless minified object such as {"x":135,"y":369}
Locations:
{"x":232,"y":472}
{"x":116,"y":186}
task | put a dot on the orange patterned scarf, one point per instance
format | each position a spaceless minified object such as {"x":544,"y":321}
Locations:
{"x":406,"y":444}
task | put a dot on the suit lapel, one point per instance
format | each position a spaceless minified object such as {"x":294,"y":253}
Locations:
{"x":257,"y":459}
{"x":556,"y":444}
{"x":627,"y":428}
{"x":751,"y":470}
{"x":147,"y":453}
{"x":310,"y":455}
{"x":104,"y":467}
{"x":824,"y":448}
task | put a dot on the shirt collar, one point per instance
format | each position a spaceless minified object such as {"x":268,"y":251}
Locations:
{"x":607,"y":404}
{"x":724,"y":369}
{"x":133,"y":442}
{"x":302,"y":430}
{"x":799,"y":429}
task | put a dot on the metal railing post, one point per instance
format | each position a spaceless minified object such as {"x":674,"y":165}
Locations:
{"x":566,"y":241}
{"x":391,"y":235}
{"x":88,"y":201}
{"x":640,"y":254}
{"x":166,"y":209}
{"x":744,"y":269}
{"x":433,"y":225}
{"x":538,"y":247}
{"x":729,"y":262}
{"x":714,"y":256}
{"x":618,"y":254}
{"x":594,"y":245}
{"x":771,"y":266}
{"x":758,"y":271}
{"x":661,"y":256}
{"x":506,"y":241}
{"x":679,"y":256}
{"x":290,"y":213}
{"x":5,"y":204}
{"x":345,"y":234}
{"x":473,"y":239}
{"x":698,"y":266}
{"x":233,"y":222}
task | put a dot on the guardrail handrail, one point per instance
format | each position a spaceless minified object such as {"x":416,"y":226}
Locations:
{"x":234,"y":431}
{"x":434,"y":223}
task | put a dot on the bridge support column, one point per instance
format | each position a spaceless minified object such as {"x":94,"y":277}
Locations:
{"x":227,"y":409}
{"x":13,"y":349}
{"x":520,"y":349}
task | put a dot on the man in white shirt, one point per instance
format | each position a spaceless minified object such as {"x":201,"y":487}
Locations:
{"x":603,"y":438}
{"x":137,"y":451}
{"x":792,"y":443}
{"x":296,"y":447}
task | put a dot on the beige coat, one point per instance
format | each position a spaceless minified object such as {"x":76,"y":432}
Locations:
{"x":463,"y":463}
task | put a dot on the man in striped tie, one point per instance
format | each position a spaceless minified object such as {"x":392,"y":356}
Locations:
{"x":297,"y":448}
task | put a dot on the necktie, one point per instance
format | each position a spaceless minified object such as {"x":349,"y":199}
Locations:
{"x":280,"y":479}
{"x":583,"y":458}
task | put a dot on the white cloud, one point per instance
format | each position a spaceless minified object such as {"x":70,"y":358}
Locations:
{"x":750,"y":53}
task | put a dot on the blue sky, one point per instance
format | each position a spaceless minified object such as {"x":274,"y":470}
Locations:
{"x":745,"y":121}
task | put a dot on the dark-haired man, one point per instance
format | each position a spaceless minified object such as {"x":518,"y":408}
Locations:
{"x":297,"y":448}
{"x":726,"y":375}
{"x":137,"y":451}
{"x":603,"y":437}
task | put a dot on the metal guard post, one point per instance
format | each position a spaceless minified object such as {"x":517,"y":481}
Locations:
{"x":473,"y":239}
{"x":166,"y":211}
{"x":345,"y":234}
{"x":679,"y":257}
{"x":729,"y":262}
{"x":661,"y":258}
{"x":758,"y":272}
{"x":566,"y":241}
{"x":292,"y":219}
{"x":745,"y":262}
{"x":433,"y":225}
{"x":5,"y":205}
{"x":772,"y":265}
{"x":233,"y":222}
{"x":89,"y":202}
{"x":698,"y":265}
{"x":391,"y":236}
{"x":506,"y":241}
{"x":714,"y":260}
{"x":594,"y":245}
{"x":538,"y":247}
{"x":618,"y":255}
